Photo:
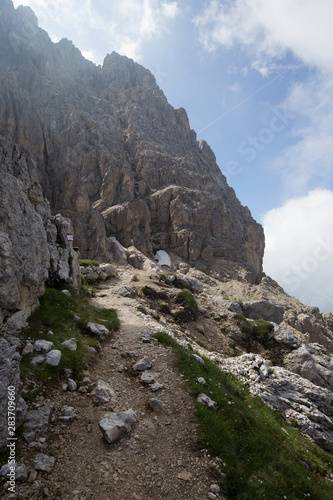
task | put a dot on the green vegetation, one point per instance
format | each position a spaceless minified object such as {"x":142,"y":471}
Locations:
{"x":263,"y":456}
{"x":257,"y":329}
{"x":153,"y":294}
{"x":87,"y":262}
{"x":190,"y":311}
{"x":59,"y":314}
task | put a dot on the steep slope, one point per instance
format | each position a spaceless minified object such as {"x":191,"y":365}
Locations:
{"x":115,"y":157}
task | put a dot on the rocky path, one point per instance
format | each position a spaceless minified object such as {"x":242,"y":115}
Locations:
{"x":158,"y":459}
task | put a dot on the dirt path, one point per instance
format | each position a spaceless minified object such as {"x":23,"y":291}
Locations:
{"x":159,"y":459}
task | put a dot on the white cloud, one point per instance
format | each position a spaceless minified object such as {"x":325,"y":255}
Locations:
{"x":272,"y":28}
{"x":310,"y":158}
{"x":269,"y":31}
{"x":170,"y":9}
{"x":299,"y":247}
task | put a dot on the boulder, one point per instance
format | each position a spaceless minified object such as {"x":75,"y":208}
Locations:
{"x":114,"y":426}
{"x":190,"y":283}
{"x":263,"y":309}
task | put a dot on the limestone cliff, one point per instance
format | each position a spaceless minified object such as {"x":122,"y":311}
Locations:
{"x":33,"y":245}
{"x":114,"y":156}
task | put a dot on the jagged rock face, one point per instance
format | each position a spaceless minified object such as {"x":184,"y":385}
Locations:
{"x":114,"y":155}
{"x":34,"y":248}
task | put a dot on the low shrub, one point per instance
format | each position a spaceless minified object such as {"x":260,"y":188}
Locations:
{"x":186,"y":299}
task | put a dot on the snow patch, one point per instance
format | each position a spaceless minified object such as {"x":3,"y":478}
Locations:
{"x":162,"y":258}
{"x":121,"y":248}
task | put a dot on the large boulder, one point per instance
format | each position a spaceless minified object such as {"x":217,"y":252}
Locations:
{"x":263,"y":309}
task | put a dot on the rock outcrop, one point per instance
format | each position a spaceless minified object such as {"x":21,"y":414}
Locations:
{"x":34,"y":248}
{"x":114,"y":156}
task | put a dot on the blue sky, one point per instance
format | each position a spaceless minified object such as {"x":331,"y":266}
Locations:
{"x":256,"y":79}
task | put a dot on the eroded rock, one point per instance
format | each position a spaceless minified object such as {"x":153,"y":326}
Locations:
{"x":114,"y":426}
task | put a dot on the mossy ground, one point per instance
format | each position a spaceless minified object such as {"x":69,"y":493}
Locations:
{"x":59,"y":314}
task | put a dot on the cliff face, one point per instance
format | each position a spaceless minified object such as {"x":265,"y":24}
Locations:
{"x":114,"y":156}
{"x":33,"y":245}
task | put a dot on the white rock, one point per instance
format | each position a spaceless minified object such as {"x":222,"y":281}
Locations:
{"x":117,"y":425}
{"x":203,"y":398}
{"x":43,"y":346}
{"x":99,"y":330}
{"x":53,"y":357}
{"x":71,"y":344}
{"x":71,"y":385}
{"x":142,"y":365}
{"x":198,"y":358}
{"x":102,"y":393}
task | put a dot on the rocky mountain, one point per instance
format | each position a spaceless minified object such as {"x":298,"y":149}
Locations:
{"x":115,"y":157}
{"x":99,"y":153}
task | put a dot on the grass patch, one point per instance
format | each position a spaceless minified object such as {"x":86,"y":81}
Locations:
{"x":264,"y":456}
{"x":57,"y":313}
{"x":190,"y":311}
{"x":258,"y":329}
{"x":88,"y":262}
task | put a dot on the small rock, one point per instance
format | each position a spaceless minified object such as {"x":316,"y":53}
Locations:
{"x":183,"y":268}
{"x":86,"y":380}
{"x":102,"y":393}
{"x":203,"y":398}
{"x":37,"y":423}
{"x":50,"y":333}
{"x":32,"y":475}
{"x":21,"y":472}
{"x":37,"y":360}
{"x":99,"y":330}
{"x":155,"y":404}
{"x":66,"y":292}
{"x":28,"y":348}
{"x":72,"y":385}
{"x":53,"y":357}
{"x":214,"y":488}
{"x":71,"y":344}
{"x":117,"y":425}
{"x":43,"y":346}
{"x":157,"y":387}
{"x":67,"y":413}
{"x":198,"y":358}
{"x":44,"y":462}
{"x":201,"y":380}
{"x":83,"y":389}
{"x":149,"y":377}
{"x":142,"y":365}
{"x":211,"y":496}
{"x":185,"y":476}
{"x":67,"y":373}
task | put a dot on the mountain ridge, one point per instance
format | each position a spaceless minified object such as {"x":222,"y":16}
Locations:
{"x":106,"y":137}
